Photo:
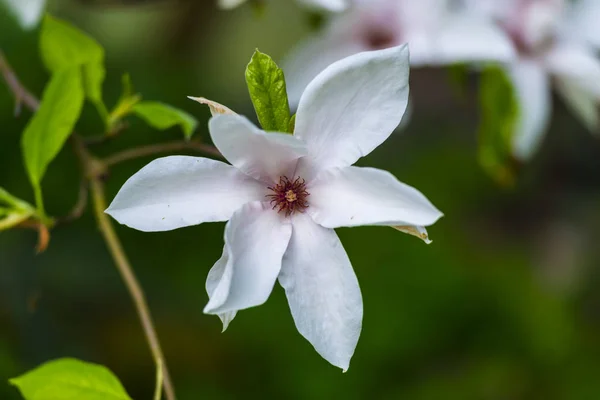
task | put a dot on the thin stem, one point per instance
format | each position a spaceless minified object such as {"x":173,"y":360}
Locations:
{"x":159,"y":380}
{"x":79,"y":207}
{"x":153,"y":149}
{"x":118,"y":254}
{"x":22,"y":95}
{"x":93,"y":170}
{"x":39,"y":202}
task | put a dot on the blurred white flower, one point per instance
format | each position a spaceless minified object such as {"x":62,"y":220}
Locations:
{"x":284,"y":194}
{"x":555,"y":39}
{"x":317,"y":5}
{"x":437,"y":33}
{"x":27,"y":12}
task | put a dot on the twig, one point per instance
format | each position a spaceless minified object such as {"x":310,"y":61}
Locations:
{"x":79,"y":207}
{"x":22,"y":95}
{"x":93,"y":171}
{"x":152,"y":149}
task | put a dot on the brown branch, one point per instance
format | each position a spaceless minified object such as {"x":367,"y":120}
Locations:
{"x":22,"y":95}
{"x":94,"y":170}
{"x":153,"y":149}
{"x":79,"y":207}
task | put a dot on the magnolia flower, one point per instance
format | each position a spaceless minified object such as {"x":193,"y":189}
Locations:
{"x":318,"y":5}
{"x":28,"y":12}
{"x":554,"y":40}
{"x":284,"y":194}
{"x":437,"y":33}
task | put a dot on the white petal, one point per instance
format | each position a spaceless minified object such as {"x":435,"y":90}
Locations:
{"x":580,"y":102}
{"x":312,"y":56}
{"x":532,"y":89}
{"x":255,"y":239}
{"x":577,"y":63}
{"x":355,"y":196}
{"x":28,"y":12}
{"x":583,"y":21}
{"x":468,"y":39}
{"x":215,"y":275}
{"x":325,"y":5}
{"x":261,"y":155}
{"x":177,"y":191}
{"x":352,"y":107}
{"x":228,"y":4}
{"x":322,"y":291}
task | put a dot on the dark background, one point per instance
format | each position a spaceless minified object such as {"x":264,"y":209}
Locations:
{"x":504,"y":304}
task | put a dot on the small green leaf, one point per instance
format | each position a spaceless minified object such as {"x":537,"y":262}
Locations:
{"x":13,"y":210}
{"x":70,"y":379}
{"x":499,"y":116}
{"x":52,"y":124}
{"x":162,"y":116}
{"x":266,"y":85}
{"x":64,"y":46}
{"x":125,"y":104}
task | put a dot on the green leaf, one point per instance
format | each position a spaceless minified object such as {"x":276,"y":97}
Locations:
{"x":70,"y":379}
{"x":13,"y":210}
{"x":266,"y":85}
{"x":125,"y":104}
{"x":162,"y":116}
{"x":499,"y":116}
{"x":51,"y":125}
{"x":64,"y":46}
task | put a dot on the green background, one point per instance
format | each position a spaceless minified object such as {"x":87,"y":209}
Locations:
{"x":504,"y":304}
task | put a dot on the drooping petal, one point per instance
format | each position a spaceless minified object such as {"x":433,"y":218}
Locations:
{"x":263,"y":156}
{"x":322,"y":291}
{"x":228,"y":4}
{"x":355,"y":196}
{"x":583,"y":21}
{"x":325,"y":5}
{"x":578,"y":64}
{"x":255,"y":239}
{"x":177,"y":191}
{"x":465,"y":39}
{"x":580,"y":102}
{"x":215,"y":275}
{"x":352,"y":107}
{"x":28,"y":12}
{"x":532,"y":89}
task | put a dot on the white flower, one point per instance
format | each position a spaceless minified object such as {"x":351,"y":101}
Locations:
{"x":28,"y":12}
{"x":284,"y":194}
{"x":555,"y":41}
{"x":317,"y":5}
{"x":437,"y":33}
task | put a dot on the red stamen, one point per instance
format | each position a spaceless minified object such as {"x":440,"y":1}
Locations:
{"x":289,"y":196}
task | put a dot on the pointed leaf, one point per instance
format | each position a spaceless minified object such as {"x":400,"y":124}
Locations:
{"x":70,"y":379}
{"x":53,"y":122}
{"x":162,"y":116}
{"x":64,"y":46}
{"x":499,"y":115}
{"x":266,"y":85}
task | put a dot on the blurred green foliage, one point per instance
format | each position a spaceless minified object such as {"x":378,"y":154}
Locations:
{"x":502,"y":305}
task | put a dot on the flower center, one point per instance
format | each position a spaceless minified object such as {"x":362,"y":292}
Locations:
{"x":289,"y":195}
